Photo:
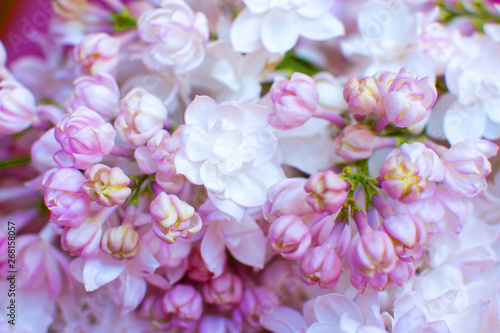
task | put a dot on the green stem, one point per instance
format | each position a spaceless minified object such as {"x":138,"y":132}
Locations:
{"x":14,"y":162}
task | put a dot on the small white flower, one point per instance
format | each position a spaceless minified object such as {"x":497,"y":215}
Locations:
{"x":228,"y":148}
{"x":277,"y":24}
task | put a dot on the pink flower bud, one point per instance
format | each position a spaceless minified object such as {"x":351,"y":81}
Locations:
{"x":356,"y":142}
{"x":256,"y":301}
{"x":410,"y":172}
{"x":467,"y":166}
{"x":158,"y":156}
{"x":175,"y":37}
{"x":98,"y":53}
{"x":286,"y":197}
{"x":107,"y":186}
{"x":289,"y":236}
{"x":409,"y":99}
{"x":99,"y":93}
{"x":173,"y":218}
{"x":17,"y":107}
{"x":67,"y":204}
{"x":224,"y":291}
{"x":141,"y":115}
{"x":384,"y":80}
{"x":362,"y":97}
{"x":183,"y":304}
{"x":85,"y":139}
{"x":121,"y":242}
{"x":152,"y":309}
{"x":327,"y":191}
{"x":372,"y":253}
{"x":197,"y":269}
{"x":402,"y":272}
{"x":320,"y":264}
{"x":83,"y":240}
{"x":294,"y":101}
{"x":408,"y":234}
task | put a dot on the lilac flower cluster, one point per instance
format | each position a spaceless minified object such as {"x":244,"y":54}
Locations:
{"x":247,"y":166}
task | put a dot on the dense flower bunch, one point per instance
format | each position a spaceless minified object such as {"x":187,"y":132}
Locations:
{"x":248,"y":166}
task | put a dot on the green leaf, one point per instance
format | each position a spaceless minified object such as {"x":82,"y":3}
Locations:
{"x":292,"y":63}
{"x":14,"y":162}
{"x":123,"y":21}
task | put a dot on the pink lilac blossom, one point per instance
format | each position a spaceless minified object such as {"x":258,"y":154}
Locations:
{"x":85,"y":138}
{"x":175,"y":37}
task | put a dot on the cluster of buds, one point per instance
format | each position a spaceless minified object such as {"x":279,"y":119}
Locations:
{"x":401,"y":98}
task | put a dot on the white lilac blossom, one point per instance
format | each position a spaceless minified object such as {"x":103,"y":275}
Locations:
{"x":474,"y":80}
{"x":228,"y":148}
{"x":277,"y":25}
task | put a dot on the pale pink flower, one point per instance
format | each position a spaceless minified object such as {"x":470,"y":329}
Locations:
{"x":338,"y":313}
{"x":467,"y":166}
{"x":107,"y":186}
{"x":408,"y":234}
{"x":85,"y":138}
{"x":141,"y":115}
{"x":175,"y":37}
{"x":409,"y":99}
{"x":183,"y":304}
{"x":158,"y":157}
{"x":224,"y":292}
{"x":256,"y":302}
{"x":289,"y":236}
{"x":68,"y":204}
{"x":123,"y":280}
{"x":173,"y":218}
{"x":410,"y":172}
{"x":321,"y":264}
{"x":363,"y":96}
{"x":228,"y":148}
{"x":197,"y":270}
{"x":83,"y":240}
{"x":372,"y":256}
{"x":17,"y":107}
{"x":43,"y":150}
{"x":245,"y":240}
{"x":172,"y":257}
{"x":283,"y":319}
{"x":439,"y":43}
{"x":98,"y":53}
{"x":327,"y":191}
{"x":99,"y":93}
{"x":41,"y":265}
{"x":356,"y":142}
{"x":278,"y":25}
{"x":121,"y":242}
{"x":286,"y":197}
{"x":152,"y":309}
{"x":294,"y":101}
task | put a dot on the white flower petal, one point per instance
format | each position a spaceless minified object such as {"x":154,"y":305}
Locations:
{"x":98,"y":272}
{"x":198,"y":111}
{"x":247,"y":189}
{"x":212,"y":250}
{"x":279,"y":31}
{"x":245,"y":32}
{"x":464,"y":122}
{"x":322,"y":28}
